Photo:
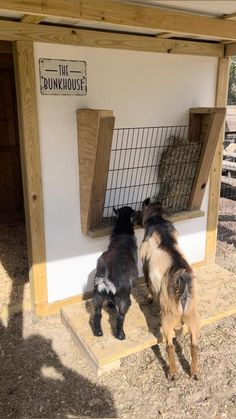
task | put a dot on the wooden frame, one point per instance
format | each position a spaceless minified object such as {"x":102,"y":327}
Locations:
{"x":215,"y":176}
{"x":55,"y":34}
{"x":210,"y":124}
{"x":31,"y":171}
{"x":127,"y":15}
{"x":95,"y":132}
{"x":107,"y":12}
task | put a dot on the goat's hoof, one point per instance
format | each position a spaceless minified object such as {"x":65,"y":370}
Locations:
{"x":171,"y":376}
{"x":120,"y":335}
{"x":98,"y":332}
{"x":194,"y":377}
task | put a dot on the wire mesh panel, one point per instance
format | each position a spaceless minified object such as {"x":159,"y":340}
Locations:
{"x":150,"y":162}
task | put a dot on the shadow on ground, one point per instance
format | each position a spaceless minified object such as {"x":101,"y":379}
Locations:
{"x":33,"y":380}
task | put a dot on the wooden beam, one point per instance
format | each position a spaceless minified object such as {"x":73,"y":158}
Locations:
{"x":230,"y":50}
{"x":120,"y":13}
{"x":14,"y":31}
{"x":31,"y":169}
{"x":215,"y":177}
{"x":32,"y":19}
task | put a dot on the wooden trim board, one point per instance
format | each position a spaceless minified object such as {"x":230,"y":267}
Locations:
{"x":102,"y":160}
{"x":215,"y":176}
{"x":13,"y":31}
{"x":31,"y":170}
{"x":123,"y":14}
{"x":95,"y":131}
{"x":53,"y":308}
{"x":178,"y":216}
{"x":214,"y":119}
{"x":230,"y":50}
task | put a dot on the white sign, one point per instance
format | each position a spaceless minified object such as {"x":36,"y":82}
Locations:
{"x":62,"y":77}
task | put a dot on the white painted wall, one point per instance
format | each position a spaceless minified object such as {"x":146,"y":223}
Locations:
{"x":143,"y":89}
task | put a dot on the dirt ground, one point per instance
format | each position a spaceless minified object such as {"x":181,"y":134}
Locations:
{"x":43,"y":375}
{"x":14,"y":281}
{"x":226,"y":243}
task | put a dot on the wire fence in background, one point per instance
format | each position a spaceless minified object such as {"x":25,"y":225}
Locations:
{"x":227,"y":205}
{"x":228,"y":178}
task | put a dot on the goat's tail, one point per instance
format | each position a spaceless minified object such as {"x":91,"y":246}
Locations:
{"x":183,"y":287}
{"x":101,"y":280}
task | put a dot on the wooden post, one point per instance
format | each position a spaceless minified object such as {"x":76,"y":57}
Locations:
{"x":215,"y":176}
{"x":95,"y":131}
{"x":31,"y":170}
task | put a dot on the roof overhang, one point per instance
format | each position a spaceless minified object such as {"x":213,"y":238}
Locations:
{"x":120,"y":24}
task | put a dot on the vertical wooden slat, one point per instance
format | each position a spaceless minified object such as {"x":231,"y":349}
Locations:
{"x":215,"y":176}
{"x":31,"y":170}
{"x":105,"y":134}
{"x":95,"y":129}
{"x":209,"y":145}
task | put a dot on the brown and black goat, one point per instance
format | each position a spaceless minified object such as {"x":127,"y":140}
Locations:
{"x":116,"y":271}
{"x":170,"y":278}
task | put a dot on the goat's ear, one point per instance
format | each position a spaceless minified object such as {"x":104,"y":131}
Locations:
{"x":146,"y":202}
{"x":116,"y":211}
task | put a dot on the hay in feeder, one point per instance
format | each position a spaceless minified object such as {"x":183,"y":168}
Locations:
{"x":177,"y":169}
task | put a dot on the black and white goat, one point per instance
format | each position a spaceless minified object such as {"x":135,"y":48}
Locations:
{"x":116,"y":271}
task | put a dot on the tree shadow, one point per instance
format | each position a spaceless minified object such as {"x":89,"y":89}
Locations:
{"x":226,"y":235}
{"x":228,"y":191}
{"x":160,"y":359}
{"x":33,"y":380}
{"x":152,"y":316}
{"x":227,"y":217}
{"x":181,"y":357}
{"x":13,"y":258}
{"x":151,"y":311}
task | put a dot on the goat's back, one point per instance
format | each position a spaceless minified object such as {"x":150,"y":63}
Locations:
{"x":121,"y":260}
{"x":169,"y":271}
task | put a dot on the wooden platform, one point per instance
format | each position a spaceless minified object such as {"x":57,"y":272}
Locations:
{"x":216,"y":290}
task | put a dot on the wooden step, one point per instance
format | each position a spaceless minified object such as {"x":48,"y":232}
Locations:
{"x":216,"y":289}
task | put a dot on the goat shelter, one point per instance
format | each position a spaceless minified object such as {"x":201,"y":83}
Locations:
{"x":116,"y":102}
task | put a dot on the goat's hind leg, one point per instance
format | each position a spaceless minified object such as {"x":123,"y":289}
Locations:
{"x":122,"y":306}
{"x":147,"y":281}
{"x":193,"y":324}
{"x":98,"y":301}
{"x":168,"y":325}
